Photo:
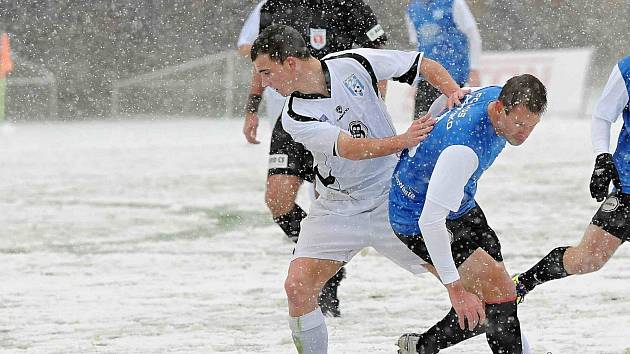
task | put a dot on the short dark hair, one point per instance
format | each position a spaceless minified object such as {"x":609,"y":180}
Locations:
{"x":524,"y":89}
{"x":280,"y":42}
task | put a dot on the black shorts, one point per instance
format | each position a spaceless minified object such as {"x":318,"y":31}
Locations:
{"x":288,"y":157}
{"x":471,"y":231}
{"x":425,"y":95}
{"x":613,"y":215}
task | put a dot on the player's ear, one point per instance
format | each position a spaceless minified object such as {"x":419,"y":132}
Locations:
{"x":499,"y":106}
{"x":291,"y":62}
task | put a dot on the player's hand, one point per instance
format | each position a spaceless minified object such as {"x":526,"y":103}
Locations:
{"x":467,"y":306}
{"x":603,"y":173}
{"x":454,"y":99}
{"x":418,"y":131}
{"x":250,"y":127}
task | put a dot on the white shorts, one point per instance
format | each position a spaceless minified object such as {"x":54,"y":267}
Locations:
{"x":325,"y":235}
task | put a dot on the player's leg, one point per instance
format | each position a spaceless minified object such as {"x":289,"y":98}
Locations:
{"x":477,"y":254}
{"x":290,"y":163}
{"x":327,"y":242}
{"x":284,"y":177}
{"x":305,"y":278}
{"x":594,"y":250}
{"x":608,"y":229}
{"x":280,"y":197}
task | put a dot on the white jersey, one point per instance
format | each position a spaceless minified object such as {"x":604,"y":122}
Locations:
{"x":353,"y":107}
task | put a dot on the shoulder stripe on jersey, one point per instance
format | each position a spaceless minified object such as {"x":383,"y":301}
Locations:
{"x":298,"y":117}
{"x":410,"y":76}
{"x":364,"y":62}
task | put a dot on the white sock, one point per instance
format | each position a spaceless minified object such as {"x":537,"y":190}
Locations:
{"x":309,"y":333}
{"x":526,"y":348}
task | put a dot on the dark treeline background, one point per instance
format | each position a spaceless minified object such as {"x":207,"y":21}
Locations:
{"x":87,"y":45}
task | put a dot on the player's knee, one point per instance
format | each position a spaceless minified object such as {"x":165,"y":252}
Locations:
{"x":497,"y":284}
{"x":589,"y":262}
{"x":278,"y":203}
{"x":299,"y":290}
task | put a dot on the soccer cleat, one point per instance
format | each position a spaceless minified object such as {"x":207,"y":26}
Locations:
{"x":520,"y":289}
{"x":328,"y":301}
{"x":407,"y":343}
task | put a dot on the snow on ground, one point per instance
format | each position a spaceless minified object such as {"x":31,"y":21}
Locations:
{"x":142,"y":236}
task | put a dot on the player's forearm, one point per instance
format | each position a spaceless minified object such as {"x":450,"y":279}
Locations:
{"x":600,"y":135}
{"x":432,"y":223}
{"x":437,"y":239}
{"x":367,"y":148}
{"x":438,"y":76}
{"x":255,"y":94}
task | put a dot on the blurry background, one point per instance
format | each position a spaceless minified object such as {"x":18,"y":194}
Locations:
{"x":76,"y":59}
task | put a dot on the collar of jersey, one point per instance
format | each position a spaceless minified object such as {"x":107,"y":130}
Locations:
{"x":299,"y":94}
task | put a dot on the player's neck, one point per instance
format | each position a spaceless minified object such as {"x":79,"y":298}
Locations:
{"x":313,"y":80}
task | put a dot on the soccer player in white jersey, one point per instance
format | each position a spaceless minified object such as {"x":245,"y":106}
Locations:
{"x":610,"y":226}
{"x":334,"y":109}
{"x":327,"y":27}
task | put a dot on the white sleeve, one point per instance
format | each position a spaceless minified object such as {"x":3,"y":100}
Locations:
{"x":393,"y":64}
{"x":453,"y":169}
{"x":600,"y":135}
{"x":249,"y":32}
{"x":316,"y":136}
{"x":608,"y":109}
{"x":613,"y":99}
{"x":411,"y":31}
{"x":465,"y":22}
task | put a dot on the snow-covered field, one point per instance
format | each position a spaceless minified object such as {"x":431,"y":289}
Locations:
{"x":153,"y":237}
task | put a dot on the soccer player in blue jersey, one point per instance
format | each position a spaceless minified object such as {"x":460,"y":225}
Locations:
{"x":432,"y":209}
{"x":610,"y":226}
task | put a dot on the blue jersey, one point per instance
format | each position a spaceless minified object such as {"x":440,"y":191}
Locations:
{"x":622,"y":153}
{"x":467,"y":125}
{"x":439,"y":38}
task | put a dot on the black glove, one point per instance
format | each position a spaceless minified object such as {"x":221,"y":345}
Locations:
{"x":603,"y":172}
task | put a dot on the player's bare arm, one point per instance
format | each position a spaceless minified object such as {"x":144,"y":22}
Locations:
{"x":367,"y":148}
{"x":250,"y":126}
{"x":437,"y":76}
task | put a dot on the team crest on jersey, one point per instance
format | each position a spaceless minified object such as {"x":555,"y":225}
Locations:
{"x":354,"y":85}
{"x":323,"y":118}
{"x":357,"y":129}
{"x":318,"y":38}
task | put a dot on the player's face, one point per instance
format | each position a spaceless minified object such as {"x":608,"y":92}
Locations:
{"x":280,"y":77}
{"x":518,"y":124}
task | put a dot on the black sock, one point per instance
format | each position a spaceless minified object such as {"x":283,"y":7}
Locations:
{"x":328,"y":300}
{"x":503,"y":329}
{"x":444,"y":334}
{"x":549,"y":268}
{"x":290,"y":222}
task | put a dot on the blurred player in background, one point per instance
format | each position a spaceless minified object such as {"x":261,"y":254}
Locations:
{"x":327,"y":27}
{"x":445,"y":31}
